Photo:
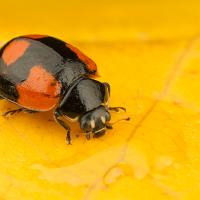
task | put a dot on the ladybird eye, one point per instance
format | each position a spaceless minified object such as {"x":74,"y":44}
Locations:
{"x":107,"y":116}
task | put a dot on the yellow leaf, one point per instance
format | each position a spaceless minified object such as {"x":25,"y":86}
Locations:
{"x":149,"y":52}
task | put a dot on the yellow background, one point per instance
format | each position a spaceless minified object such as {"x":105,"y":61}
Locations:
{"x":149,"y":51}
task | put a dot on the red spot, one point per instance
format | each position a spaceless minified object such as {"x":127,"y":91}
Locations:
{"x":89,"y":62}
{"x":35,"y":36}
{"x":15,"y":50}
{"x":40,"y":91}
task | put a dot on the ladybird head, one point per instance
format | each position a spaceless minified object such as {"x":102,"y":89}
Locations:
{"x":95,"y":122}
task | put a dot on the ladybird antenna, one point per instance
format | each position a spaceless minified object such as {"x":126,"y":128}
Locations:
{"x":109,"y":126}
{"x":119,"y":120}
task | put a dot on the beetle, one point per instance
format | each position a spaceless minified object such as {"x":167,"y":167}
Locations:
{"x":41,"y":73}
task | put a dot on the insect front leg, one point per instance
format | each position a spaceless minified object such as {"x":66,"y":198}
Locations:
{"x":117,"y":109}
{"x":57,"y":115}
{"x":107,"y":96}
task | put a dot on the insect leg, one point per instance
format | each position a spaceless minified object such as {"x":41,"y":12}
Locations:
{"x":12,"y":112}
{"x":107,"y":86}
{"x":57,"y":115}
{"x":117,"y":109}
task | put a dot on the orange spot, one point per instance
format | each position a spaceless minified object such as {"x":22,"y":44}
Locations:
{"x":14,"y":51}
{"x":89,"y":62}
{"x":35,"y":36}
{"x":40,"y":91}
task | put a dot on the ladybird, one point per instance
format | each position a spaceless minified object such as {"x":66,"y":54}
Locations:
{"x":41,"y":73}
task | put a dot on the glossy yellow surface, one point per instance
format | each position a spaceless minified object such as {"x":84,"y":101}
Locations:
{"x":149,"y":51}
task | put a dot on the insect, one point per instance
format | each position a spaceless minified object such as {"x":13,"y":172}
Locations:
{"x":41,"y":73}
